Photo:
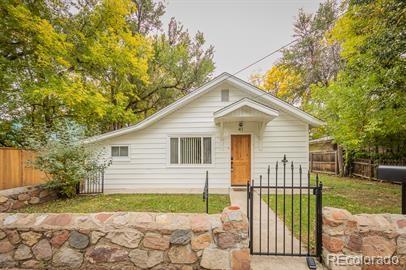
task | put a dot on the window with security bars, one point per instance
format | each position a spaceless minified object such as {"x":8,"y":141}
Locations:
{"x":190,"y":150}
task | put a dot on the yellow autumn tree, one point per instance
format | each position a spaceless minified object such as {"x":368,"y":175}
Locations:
{"x":280,"y":81}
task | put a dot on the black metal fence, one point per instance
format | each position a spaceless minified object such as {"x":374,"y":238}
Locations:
{"x":93,"y":184}
{"x":295,"y":227}
{"x":206,"y":192}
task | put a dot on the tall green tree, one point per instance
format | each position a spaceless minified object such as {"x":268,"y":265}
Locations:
{"x":180,"y":62}
{"x":44,"y":77}
{"x":311,"y":60}
{"x":102,"y":64}
{"x":177,"y":62}
{"x":34,"y":58}
{"x":110,"y":58}
{"x":366,"y":106}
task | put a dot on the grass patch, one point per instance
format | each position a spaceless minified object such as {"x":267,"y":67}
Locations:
{"x":173,"y":203}
{"x":361,"y":196}
{"x":356,"y":195}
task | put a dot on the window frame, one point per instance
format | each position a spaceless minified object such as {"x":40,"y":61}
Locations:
{"x":228,"y":95}
{"x":124,"y":158}
{"x":200,"y":165}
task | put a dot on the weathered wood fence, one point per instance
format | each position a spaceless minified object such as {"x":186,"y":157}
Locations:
{"x":327,"y":162}
{"x":15,"y":170}
{"x":367,"y":168}
{"x":324,"y":162}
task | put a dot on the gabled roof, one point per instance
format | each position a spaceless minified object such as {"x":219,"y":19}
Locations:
{"x":246,"y":102}
{"x":311,"y":120}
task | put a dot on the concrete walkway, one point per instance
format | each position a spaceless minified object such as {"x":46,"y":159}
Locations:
{"x":239,"y":197}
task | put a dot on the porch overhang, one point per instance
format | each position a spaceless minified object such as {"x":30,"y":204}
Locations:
{"x":245,"y":110}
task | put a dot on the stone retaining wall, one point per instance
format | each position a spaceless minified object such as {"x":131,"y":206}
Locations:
{"x":368,"y":235}
{"x":125,"y":241}
{"x":16,"y":198}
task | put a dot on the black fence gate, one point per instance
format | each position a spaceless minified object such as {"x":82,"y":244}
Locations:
{"x":285,"y":213}
{"x":92,"y":184}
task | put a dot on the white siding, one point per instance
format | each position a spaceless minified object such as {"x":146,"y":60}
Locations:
{"x":148,"y":165}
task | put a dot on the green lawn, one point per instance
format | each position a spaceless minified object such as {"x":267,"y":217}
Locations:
{"x":355,"y":195}
{"x":174,"y":203}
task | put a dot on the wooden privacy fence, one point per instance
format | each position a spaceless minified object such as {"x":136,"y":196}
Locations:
{"x":367,"y":168}
{"x":324,"y":162}
{"x":327,"y":162}
{"x":15,"y":170}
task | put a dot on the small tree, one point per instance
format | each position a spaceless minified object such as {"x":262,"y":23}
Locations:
{"x":66,"y":161}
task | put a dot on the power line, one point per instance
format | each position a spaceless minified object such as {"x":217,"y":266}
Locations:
{"x":266,"y":56}
{"x":275,"y":51}
{"x":281,"y":48}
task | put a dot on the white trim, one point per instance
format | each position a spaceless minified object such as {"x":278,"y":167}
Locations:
{"x":246,"y":102}
{"x":160,"y":114}
{"x":313,"y":121}
{"x":189,"y":135}
{"x":252,"y":153}
{"x":200,"y":91}
{"x":307,"y":151}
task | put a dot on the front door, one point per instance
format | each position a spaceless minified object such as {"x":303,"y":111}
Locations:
{"x":240,"y":159}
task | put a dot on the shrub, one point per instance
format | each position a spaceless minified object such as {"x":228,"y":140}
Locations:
{"x":66,"y":161}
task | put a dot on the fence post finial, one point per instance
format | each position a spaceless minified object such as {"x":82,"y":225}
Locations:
{"x":284,"y":160}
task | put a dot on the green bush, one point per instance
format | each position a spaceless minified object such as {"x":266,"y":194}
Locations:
{"x":66,"y":161}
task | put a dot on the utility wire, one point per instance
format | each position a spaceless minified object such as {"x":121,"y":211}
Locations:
{"x":282,"y":47}
{"x":266,"y":56}
{"x":275,"y":51}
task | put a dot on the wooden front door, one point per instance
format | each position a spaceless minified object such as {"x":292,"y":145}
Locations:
{"x":240,"y":159}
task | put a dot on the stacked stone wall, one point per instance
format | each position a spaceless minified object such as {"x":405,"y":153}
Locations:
{"x":16,"y":198}
{"x":378,"y":241}
{"x":125,"y":241}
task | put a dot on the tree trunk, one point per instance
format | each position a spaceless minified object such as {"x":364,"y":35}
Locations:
{"x":349,"y":157}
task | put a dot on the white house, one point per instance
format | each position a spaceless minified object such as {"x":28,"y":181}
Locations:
{"x":227,"y":127}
